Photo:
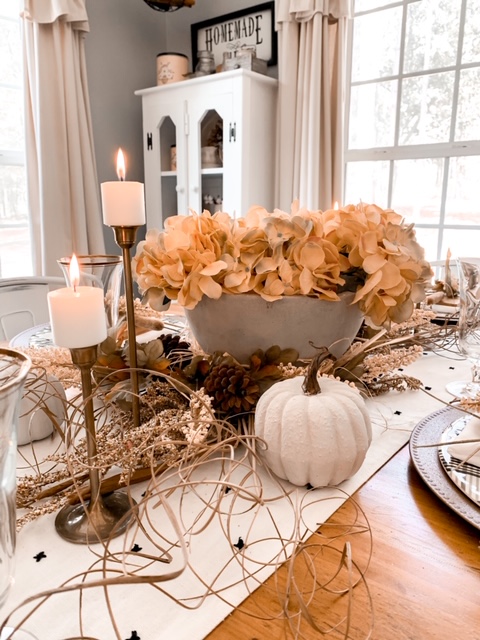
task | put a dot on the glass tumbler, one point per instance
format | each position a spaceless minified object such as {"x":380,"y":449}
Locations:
{"x":103,"y":271}
{"x":14,"y":367}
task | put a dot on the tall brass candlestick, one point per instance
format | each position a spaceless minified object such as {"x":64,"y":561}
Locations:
{"x":125,"y":238}
{"x":103,"y":516}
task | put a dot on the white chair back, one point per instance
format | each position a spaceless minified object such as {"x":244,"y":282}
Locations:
{"x":23,"y":303}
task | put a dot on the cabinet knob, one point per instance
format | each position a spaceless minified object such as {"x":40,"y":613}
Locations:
{"x":179,"y":189}
{"x":195,"y":189}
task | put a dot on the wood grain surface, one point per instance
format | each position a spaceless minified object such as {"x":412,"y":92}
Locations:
{"x":421,"y":568}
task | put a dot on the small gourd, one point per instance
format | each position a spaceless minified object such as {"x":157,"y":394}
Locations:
{"x":317,"y":436}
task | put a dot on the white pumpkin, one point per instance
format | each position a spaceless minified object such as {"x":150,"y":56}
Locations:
{"x":317,"y":438}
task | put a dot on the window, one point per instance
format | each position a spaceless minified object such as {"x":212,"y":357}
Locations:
{"x":15,"y":243}
{"x":413,"y":134}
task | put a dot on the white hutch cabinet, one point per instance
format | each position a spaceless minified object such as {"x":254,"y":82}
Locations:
{"x":233,"y":110}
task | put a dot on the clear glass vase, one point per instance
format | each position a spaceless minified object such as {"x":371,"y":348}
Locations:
{"x":14,"y":367}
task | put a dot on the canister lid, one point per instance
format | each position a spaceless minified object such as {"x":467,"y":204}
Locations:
{"x":172,"y":53}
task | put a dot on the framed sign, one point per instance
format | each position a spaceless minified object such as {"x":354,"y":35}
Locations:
{"x":252,"y":27}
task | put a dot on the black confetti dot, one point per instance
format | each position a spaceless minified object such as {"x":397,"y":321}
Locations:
{"x":134,"y":636}
{"x":144,"y":494}
{"x":228,"y":489}
{"x":452,"y":368}
{"x":240,"y":544}
{"x":136,"y":548}
{"x":428,"y":388}
{"x":39,"y":556}
{"x":398,"y":413}
{"x":400,"y":369}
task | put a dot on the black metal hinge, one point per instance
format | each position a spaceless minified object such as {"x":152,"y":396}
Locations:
{"x":149,"y":141}
{"x":232,"y":132}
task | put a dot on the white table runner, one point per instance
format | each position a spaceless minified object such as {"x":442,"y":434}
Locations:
{"x":210,"y":552}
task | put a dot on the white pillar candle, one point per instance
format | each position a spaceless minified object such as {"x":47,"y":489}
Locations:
{"x":123,"y":202}
{"x":77,"y":317}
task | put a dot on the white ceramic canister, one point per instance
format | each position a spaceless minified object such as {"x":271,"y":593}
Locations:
{"x":171,"y":67}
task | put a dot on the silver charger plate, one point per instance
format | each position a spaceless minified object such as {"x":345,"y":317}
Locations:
{"x":427,"y":463}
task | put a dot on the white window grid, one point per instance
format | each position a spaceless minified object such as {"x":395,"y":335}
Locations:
{"x":445,"y":151}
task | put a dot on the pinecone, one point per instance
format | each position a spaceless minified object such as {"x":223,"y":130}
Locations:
{"x":231,"y":388}
{"x":175,"y":348}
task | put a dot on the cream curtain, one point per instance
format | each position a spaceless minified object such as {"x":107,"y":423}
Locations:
{"x":61,"y":169}
{"x":312,"y":36}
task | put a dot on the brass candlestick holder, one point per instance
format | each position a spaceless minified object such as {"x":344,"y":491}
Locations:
{"x":103,"y":516}
{"x":125,"y":238}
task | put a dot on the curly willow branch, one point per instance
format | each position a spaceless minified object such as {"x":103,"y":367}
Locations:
{"x":214,"y":466}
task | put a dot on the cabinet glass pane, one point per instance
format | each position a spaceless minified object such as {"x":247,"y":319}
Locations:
{"x":417,"y":189}
{"x":471,"y":36}
{"x":367,"y":182}
{"x":468,"y":115}
{"x":432,"y":35}
{"x":168,"y":166}
{"x":372,"y":115}
{"x":426,"y":108}
{"x":168,"y":142}
{"x":211,"y":128}
{"x":463,"y":194}
{"x":376,"y":44}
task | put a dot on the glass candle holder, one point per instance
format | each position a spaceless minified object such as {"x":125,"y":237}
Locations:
{"x":103,"y":271}
{"x":14,"y":367}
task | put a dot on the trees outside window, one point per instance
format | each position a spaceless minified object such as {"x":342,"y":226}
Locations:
{"x":413,"y":131}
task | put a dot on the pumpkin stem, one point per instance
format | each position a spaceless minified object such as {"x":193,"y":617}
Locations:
{"x":310,"y":385}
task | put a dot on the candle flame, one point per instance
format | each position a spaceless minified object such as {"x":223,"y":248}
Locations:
{"x":335,"y":206}
{"x":74,"y":271}
{"x":120,"y":165}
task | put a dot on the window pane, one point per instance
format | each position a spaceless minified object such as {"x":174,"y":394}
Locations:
{"x":376,"y":44}
{"x":417,"y":189}
{"x":9,"y":9}
{"x":366,"y":5}
{"x":463,"y":194}
{"x":471,"y":36}
{"x":11,"y":114}
{"x":372,"y":115}
{"x":426,"y":108}
{"x":367,"y":182}
{"x":15,"y":247}
{"x":468,"y":115}
{"x":432,"y":34}
{"x":428,"y":239}
{"x":10,"y":53}
{"x":461,"y":242}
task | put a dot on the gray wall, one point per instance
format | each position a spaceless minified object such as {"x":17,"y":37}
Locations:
{"x":121,"y":48}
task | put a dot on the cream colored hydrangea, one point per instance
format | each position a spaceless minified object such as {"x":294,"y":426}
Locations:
{"x":361,"y":248}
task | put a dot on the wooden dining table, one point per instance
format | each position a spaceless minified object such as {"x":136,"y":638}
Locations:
{"x":420,"y":563}
{"x":394,"y":562}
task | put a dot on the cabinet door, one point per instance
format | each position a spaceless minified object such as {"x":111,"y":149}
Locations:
{"x":210,"y":156}
{"x":166,"y":165}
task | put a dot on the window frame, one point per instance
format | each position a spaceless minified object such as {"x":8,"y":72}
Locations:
{"x":443,"y":150}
